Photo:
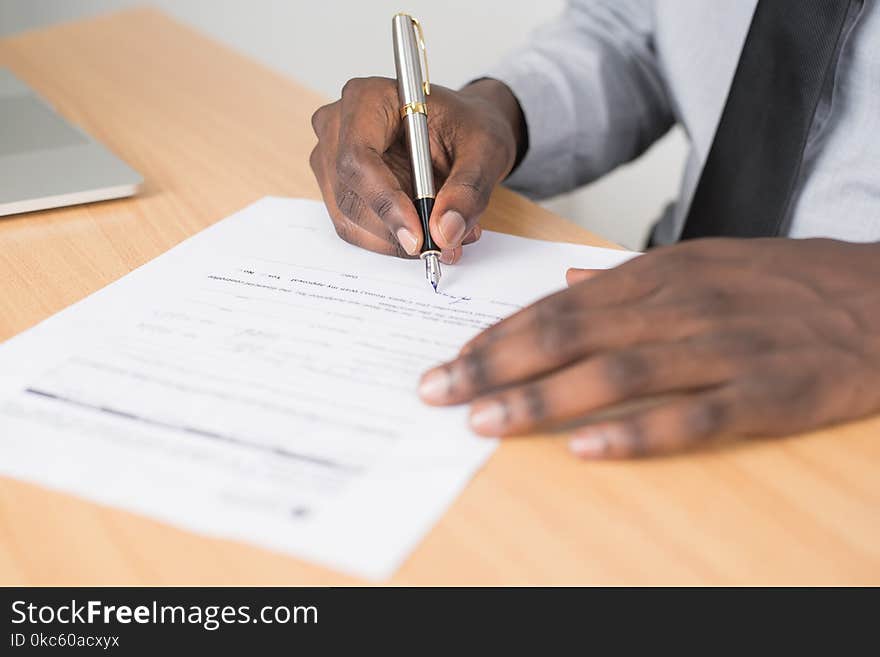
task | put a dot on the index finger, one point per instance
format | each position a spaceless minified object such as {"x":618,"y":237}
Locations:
{"x":369,"y":125}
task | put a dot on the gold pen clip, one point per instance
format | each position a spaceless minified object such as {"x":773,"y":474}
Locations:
{"x":421,"y":36}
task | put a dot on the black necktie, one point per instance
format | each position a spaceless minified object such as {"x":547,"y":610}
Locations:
{"x":788,"y":59}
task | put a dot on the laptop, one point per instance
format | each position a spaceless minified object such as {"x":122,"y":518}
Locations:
{"x":46,"y":162}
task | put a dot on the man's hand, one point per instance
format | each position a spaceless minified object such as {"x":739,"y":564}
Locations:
{"x":733,"y":337}
{"x":363,"y":169}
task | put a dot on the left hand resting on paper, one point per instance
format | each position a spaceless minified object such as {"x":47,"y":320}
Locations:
{"x":734,"y":337}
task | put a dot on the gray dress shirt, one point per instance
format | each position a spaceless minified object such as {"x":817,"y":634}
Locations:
{"x":609,"y":77}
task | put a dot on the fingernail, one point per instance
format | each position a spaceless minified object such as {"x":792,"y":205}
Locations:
{"x":589,"y":444}
{"x":449,"y":256}
{"x":452,"y":227}
{"x":473,"y":236}
{"x":434,"y":386}
{"x":408,"y":241}
{"x":488,"y":418}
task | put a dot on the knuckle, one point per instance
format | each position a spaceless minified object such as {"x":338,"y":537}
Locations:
{"x":706,"y":418}
{"x":558,"y":332}
{"x":629,"y":439}
{"x":473,"y":374}
{"x":319,"y":118}
{"x":553,"y":335}
{"x":628,"y":372}
{"x":534,"y":402}
{"x":382,"y":85}
{"x":349,"y":203}
{"x":801,"y":393}
{"x":353,"y":86}
{"x":345,"y":230}
{"x":315,"y":160}
{"x":349,"y":165}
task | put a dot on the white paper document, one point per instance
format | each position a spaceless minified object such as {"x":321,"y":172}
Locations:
{"x":257,"y":382}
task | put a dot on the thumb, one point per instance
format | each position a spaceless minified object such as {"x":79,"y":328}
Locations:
{"x":575,"y":275}
{"x":462,"y":199}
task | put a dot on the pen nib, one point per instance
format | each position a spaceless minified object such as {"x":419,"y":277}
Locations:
{"x":432,"y":269}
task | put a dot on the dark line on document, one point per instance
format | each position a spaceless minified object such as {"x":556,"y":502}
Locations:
{"x":278,"y":451}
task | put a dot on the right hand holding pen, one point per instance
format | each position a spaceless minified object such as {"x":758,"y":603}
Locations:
{"x":363,"y":169}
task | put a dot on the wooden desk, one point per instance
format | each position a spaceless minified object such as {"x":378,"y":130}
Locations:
{"x":212,"y":131}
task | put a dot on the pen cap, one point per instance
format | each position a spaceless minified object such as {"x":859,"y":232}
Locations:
{"x":407,"y":60}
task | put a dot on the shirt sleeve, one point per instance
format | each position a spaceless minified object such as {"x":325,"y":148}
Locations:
{"x":592,"y":93}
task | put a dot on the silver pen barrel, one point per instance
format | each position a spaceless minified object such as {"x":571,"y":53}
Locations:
{"x":413,"y":88}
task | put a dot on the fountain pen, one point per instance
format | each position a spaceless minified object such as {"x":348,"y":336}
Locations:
{"x":413,"y":88}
